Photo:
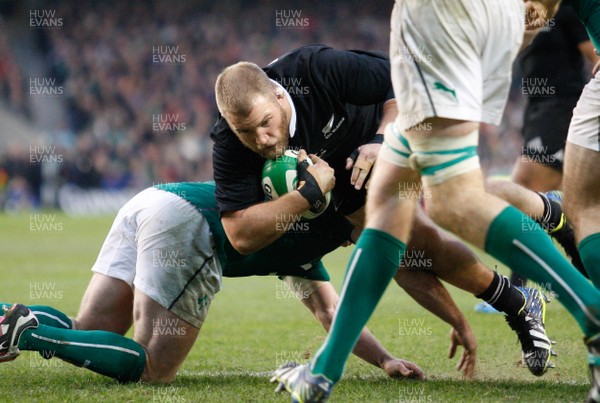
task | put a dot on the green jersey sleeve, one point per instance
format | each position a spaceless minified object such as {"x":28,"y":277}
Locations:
{"x":296,"y":253}
{"x":588,"y":11}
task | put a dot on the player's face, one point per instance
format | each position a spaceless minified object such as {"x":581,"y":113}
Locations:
{"x":266,"y":128}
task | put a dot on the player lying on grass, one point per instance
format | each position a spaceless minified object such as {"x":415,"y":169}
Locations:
{"x":160,"y":267}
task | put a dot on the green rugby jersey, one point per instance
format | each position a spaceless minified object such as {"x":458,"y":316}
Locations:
{"x":588,"y":11}
{"x":297,"y":253}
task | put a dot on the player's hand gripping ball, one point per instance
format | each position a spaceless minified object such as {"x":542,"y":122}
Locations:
{"x":279,"y":177}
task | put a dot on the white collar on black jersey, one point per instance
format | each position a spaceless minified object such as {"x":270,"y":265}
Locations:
{"x":292,"y":127}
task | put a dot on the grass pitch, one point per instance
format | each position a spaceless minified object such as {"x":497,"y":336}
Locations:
{"x":254,"y":325}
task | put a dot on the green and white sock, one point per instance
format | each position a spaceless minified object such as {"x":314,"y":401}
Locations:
{"x":515,"y":240}
{"x":589,"y":249}
{"x":373,"y":264}
{"x":106,"y":353}
{"x":47,"y":315}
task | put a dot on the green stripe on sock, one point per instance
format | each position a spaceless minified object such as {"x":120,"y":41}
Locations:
{"x":589,"y":249}
{"x":103,"y":352}
{"x":521,"y":244}
{"x":373,"y":263}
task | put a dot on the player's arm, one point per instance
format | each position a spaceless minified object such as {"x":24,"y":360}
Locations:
{"x":359,"y":78}
{"x":425,"y":288}
{"x":362,"y":159}
{"x":255,"y":227}
{"x":587,"y":50}
{"x":322,"y":303}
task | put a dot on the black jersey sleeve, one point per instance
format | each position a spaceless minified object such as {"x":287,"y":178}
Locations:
{"x":356,"y":77}
{"x":237,"y":170}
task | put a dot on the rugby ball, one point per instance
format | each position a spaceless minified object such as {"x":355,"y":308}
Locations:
{"x":279,"y":177}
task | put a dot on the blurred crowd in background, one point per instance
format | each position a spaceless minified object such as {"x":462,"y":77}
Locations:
{"x":136,"y":84}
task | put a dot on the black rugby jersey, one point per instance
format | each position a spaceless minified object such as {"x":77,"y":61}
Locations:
{"x":338,"y":97}
{"x":553,"y":65}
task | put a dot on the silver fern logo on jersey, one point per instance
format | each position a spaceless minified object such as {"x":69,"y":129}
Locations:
{"x":329,"y":129}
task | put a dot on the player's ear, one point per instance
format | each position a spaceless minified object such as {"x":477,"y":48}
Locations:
{"x":277,"y":91}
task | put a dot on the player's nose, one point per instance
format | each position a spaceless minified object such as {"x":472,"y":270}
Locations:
{"x":262,"y":137}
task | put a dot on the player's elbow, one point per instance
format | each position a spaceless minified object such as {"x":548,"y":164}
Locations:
{"x":242,"y":242}
{"x":243,"y":246}
{"x":237,"y":234}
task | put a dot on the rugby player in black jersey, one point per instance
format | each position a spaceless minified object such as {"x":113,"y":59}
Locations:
{"x":336,"y":105}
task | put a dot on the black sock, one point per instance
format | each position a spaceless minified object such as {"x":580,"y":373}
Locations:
{"x":503,"y":296}
{"x":517,"y":280}
{"x":552,"y":213}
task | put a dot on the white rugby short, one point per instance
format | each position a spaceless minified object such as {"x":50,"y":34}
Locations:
{"x":162,"y":245}
{"x":453,"y":58}
{"x":584,"y":130}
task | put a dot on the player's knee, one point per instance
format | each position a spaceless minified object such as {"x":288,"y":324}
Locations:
{"x":157,"y":371}
{"x":150,"y":376}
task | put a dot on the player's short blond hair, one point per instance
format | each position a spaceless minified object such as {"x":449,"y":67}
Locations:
{"x":238,"y":84}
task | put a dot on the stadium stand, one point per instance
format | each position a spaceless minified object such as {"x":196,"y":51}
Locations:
{"x":130,"y":85}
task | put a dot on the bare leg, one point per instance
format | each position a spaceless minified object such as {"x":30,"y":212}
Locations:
{"x":536,"y":177}
{"x":106,"y":305}
{"x":582,"y":190}
{"x":166,"y":338}
{"x":525,"y":200}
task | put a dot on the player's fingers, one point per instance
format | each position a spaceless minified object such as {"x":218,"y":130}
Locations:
{"x":356,"y":168}
{"x":463,"y":364}
{"x":405,"y":372}
{"x":416,"y":371}
{"x":362,"y":175}
{"x":470,"y":367}
{"x":361,"y":167}
{"x":352,"y":158}
{"x":452,"y":349}
{"x":467,"y":365}
{"x":301,"y":155}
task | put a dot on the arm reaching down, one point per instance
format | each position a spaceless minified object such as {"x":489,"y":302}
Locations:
{"x":425,"y":288}
{"x":321,"y":299}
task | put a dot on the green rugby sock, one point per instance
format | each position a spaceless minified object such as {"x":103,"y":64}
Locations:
{"x":589,"y":249}
{"x":47,"y":315}
{"x":103,"y":352}
{"x":515,"y":240}
{"x":373,"y":263}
